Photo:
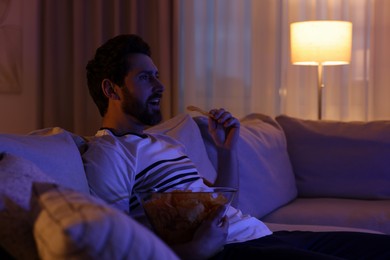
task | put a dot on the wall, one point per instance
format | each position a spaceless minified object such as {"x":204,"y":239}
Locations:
{"x":19,"y":105}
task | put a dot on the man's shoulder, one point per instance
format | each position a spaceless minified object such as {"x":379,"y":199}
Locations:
{"x":106,"y":137}
{"x":104,"y":143}
{"x":103,"y":148}
{"x":102,"y":140}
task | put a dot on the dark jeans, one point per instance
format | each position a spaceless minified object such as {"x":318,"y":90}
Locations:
{"x":310,"y":245}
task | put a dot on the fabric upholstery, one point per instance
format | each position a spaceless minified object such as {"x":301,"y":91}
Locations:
{"x":371,"y":215}
{"x":54,"y":151}
{"x":266,"y":179}
{"x":72,"y":225}
{"x":339,"y":159}
{"x":316,"y":228}
{"x":16,"y":178}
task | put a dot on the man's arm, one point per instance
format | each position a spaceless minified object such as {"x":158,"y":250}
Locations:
{"x":225,"y":129}
{"x":208,"y":240}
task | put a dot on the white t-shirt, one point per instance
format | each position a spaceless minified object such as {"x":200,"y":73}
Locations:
{"x":116,"y":166}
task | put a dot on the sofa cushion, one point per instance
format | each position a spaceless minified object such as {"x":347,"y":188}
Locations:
{"x":16,"y":177}
{"x":73,"y":225}
{"x":339,"y":159}
{"x":266,"y":179}
{"x":52,"y":150}
{"x":368,"y":215}
{"x":275,"y":227}
{"x":184,"y":129}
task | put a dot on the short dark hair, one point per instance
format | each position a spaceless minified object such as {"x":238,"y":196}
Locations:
{"x":111,"y":62}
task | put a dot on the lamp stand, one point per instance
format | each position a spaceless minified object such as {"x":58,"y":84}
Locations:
{"x":320,"y":87}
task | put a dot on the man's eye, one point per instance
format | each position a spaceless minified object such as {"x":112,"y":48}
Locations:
{"x":148,"y":77}
{"x":144,"y":77}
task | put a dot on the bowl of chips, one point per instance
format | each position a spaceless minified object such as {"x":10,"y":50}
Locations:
{"x":177,"y":214}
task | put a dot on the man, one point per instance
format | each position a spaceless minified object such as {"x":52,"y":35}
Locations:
{"x":123,"y":82}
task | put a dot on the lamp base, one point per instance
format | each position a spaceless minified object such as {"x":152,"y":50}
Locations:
{"x":320,"y":87}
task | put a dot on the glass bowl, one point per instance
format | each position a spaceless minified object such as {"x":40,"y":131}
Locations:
{"x":176,"y":215}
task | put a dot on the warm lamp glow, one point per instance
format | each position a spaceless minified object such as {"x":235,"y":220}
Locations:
{"x":321,"y":42}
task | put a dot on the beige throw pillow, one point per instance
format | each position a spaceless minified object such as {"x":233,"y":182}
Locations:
{"x":72,"y":225}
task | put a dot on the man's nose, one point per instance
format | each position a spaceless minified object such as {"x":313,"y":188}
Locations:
{"x":158,"y":86}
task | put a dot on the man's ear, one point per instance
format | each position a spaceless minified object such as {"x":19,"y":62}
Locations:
{"x":109,"y":90}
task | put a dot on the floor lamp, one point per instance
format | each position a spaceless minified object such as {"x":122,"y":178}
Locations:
{"x":321,"y":43}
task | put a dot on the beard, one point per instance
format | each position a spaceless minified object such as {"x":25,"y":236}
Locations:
{"x":141,"y":110}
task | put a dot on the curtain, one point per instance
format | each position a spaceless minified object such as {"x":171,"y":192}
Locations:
{"x":214,"y":53}
{"x":235,"y":54}
{"x":70,"y":32}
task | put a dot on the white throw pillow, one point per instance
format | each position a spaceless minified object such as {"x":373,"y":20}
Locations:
{"x":266,"y":178}
{"x":53,"y":151}
{"x":73,"y":225}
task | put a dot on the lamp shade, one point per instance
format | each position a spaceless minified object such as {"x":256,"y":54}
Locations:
{"x":321,"y":42}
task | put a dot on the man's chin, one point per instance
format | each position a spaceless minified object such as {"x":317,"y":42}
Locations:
{"x":153,"y":119}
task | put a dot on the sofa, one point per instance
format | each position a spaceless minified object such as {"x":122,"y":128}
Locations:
{"x":294,"y":175}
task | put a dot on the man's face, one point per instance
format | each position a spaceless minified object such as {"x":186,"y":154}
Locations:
{"x":142,"y":92}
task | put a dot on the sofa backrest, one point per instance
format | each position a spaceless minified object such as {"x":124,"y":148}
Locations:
{"x":46,"y":155}
{"x":339,"y":159}
{"x":54,"y":151}
{"x":266,"y":179}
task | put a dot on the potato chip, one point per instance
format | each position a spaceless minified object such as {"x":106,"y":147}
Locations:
{"x":176,"y":215}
